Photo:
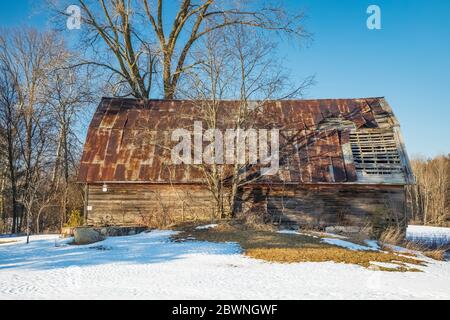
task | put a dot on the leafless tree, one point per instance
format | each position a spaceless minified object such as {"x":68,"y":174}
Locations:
{"x":41,"y":98}
{"x":70,"y":93}
{"x":429,"y":198}
{"x":136,"y":35}
{"x":9,"y":117}
{"x":241,"y":64}
{"x":32,"y":55}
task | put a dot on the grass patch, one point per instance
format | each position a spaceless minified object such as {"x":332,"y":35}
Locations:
{"x":247,"y":237}
{"x":393,"y":236}
{"x":268,"y":245}
{"x":339,"y":255}
{"x":7,"y":241}
{"x":436,"y":253}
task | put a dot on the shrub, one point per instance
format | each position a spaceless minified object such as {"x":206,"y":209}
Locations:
{"x":392,"y":235}
{"x":75,"y":219}
{"x":2,"y":227}
{"x":436,"y":254}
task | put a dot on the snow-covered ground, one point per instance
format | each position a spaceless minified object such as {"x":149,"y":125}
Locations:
{"x":150,"y":266}
{"x":346,"y":244}
{"x":434,"y":236}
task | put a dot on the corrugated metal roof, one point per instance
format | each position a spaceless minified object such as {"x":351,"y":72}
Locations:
{"x":130,"y":140}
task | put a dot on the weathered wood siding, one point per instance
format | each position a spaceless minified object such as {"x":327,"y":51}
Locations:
{"x":307,"y":205}
{"x":131,"y":204}
{"x":321,"y":206}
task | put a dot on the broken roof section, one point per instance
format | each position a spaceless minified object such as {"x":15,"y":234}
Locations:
{"x":129,"y":141}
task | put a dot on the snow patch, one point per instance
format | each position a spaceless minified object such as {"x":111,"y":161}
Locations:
{"x":288,"y":232}
{"x":346,"y":244}
{"x":373,"y":244}
{"x":208,"y":226}
{"x":332,"y":235}
{"x":385,"y":265}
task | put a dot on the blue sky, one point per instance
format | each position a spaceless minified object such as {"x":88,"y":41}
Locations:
{"x":408,"y":61}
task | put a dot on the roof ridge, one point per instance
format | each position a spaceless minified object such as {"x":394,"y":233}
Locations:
{"x":234,"y":100}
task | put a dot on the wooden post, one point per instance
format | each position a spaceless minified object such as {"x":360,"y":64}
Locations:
{"x":86,"y":197}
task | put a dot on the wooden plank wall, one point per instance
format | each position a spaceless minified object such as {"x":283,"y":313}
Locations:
{"x":321,"y":206}
{"x":307,"y":205}
{"x":131,"y":204}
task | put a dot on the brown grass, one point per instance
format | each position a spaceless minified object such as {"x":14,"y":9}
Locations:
{"x":286,"y":248}
{"x":7,"y":241}
{"x":436,"y":253}
{"x":339,"y":255}
{"x":394,"y":236}
{"x":247,"y":237}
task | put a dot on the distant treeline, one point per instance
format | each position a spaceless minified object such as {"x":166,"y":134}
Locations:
{"x":429,"y":198}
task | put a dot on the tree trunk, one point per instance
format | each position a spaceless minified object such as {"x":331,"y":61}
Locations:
{"x":12,"y":176}
{"x":66,"y":173}
{"x":16,"y":223}
{"x":28,"y":226}
{"x":2,"y":204}
{"x":167,"y":79}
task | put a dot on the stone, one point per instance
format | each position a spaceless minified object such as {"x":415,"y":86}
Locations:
{"x":87,"y":236}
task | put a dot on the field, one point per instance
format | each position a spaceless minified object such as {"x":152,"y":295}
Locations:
{"x":177,"y":265}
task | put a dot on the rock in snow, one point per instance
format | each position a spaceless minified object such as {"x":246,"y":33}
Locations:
{"x":87,"y":236}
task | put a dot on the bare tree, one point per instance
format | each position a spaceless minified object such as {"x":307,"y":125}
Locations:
{"x":33,"y":56}
{"x":9,"y":117}
{"x":70,"y":93}
{"x":241,"y":64}
{"x":135,"y":33}
{"x":41,"y":99}
{"x":429,"y":198}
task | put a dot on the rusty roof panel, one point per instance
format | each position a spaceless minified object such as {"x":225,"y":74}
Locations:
{"x":130,"y":140}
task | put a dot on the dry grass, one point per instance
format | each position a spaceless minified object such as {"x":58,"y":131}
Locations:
{"x":435,"y":253}
{"x":395,"y":236}
{"x":339,"y":255}
{"x":247,"y":237}
{"x":287,"y":248}
{"x":7,"y":241}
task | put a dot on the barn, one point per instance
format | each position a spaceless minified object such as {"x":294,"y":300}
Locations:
{"x":344,"y":164}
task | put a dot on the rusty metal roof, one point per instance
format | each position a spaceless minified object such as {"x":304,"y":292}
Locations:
{"x":130,"y":140}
